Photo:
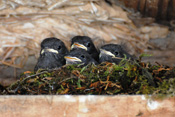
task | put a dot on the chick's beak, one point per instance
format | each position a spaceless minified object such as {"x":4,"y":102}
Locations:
{"x":49,"y":50}
{"x":72,"y":59}
{"x":105,"y":52}
{"x":77,"y":45}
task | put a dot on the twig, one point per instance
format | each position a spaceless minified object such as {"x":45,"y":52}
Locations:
{"x":67,"y":79}
{"x":37,"y":74}
{"x":20,"y":83}
{"x":34,"y":75}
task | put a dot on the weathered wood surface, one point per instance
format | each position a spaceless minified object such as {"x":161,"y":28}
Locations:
{"x":85,"y":106}
{"x":160,"y":9}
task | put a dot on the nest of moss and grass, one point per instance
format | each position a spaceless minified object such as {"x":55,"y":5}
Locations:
{"x":128,"y":77}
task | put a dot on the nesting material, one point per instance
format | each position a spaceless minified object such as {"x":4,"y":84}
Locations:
{"x":105,"y":79}
{"x":25,"y":23}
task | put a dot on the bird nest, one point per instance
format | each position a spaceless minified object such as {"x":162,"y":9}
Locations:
{"x":107,"y":79}
{"x":25,"y":23}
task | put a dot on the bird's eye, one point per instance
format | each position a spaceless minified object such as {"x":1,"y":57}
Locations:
{"x":59,"y":47}
{"x":88,"y":44}
{"x":116,"y":53}
{"x":82,"y":56}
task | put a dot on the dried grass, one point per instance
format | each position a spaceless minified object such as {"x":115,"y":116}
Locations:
{"x":25,"y":23}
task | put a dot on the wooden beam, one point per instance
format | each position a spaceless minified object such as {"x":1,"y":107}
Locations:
{"x":85,"y":106}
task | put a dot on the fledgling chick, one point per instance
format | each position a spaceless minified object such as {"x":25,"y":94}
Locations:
{"x":113,"y":53}
{"x":79,"y":56}
{"x":52,"y":54}
{"x":85,"y":42}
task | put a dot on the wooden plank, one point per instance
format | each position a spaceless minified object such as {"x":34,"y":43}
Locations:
{"x":131,"y":3}
{"x":171,"y":10}
{"x":134,"y":4}
{"x":151,"y":8}
{"x":163,"y":7}
{"x":142,"y":6}
{"x":173,"y":16}
{"x":85,"y":106}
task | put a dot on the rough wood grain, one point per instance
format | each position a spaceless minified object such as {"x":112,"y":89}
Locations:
{"x":142,"y":6}
{"x":171,"y":10}
{"x":159,"y":9}
{"x":152,"y":8}
{"x":134,"y":4}
{"x":85,"y":106}
{"x":163,"y":9}
{"x":173,"y":15}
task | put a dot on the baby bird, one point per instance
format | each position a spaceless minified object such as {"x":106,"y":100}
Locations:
{"x":52,"y":54}
{"x":85,"y":42}
{"x":79,"y":56}
{"x":113,"y":53}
